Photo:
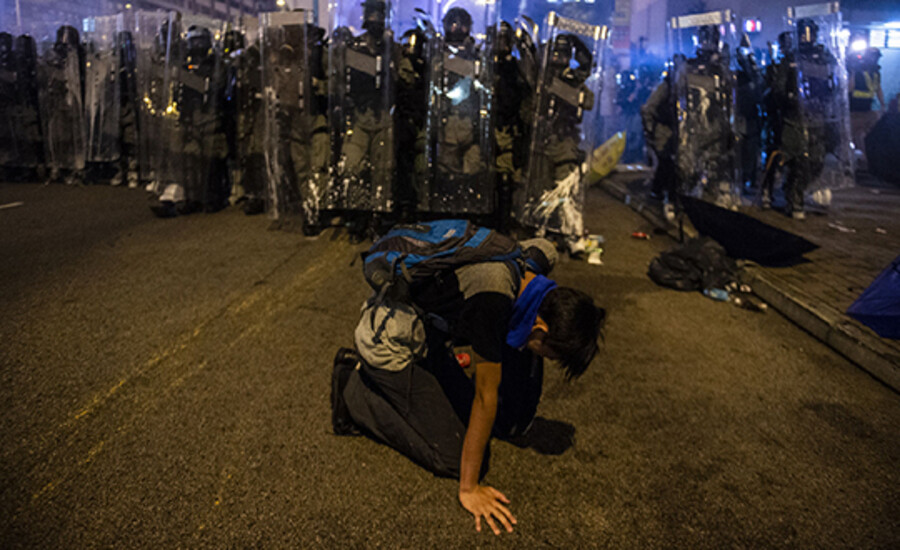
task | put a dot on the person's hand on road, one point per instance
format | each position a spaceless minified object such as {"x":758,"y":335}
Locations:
{"x":487,"y":502}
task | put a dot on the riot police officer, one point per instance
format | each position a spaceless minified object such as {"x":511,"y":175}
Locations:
{"x":749,"y":89}
{"x":412,"y":109}
{"x":658,"y":119}
{"x":62,"y":106}
{"x":365,"y":136}
{"x":8,"y":102}
{"x":803,"y":88}
{"x":197,"y":179}
{"x":249,"y":186}
{"x":459,"y":176}
{"x":514,"y":82}
{"x":555,"y":164}
{"x":128,"y":111}
{"x":705,"y":146}
{"x":29,"y":140}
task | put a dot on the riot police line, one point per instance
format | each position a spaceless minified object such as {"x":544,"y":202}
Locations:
{"x":726,"y":129}
{"x":399,"y":111}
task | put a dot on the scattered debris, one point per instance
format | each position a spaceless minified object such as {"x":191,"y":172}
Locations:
{"x":841,"y":227}
{"x":594,"y":250}
{"x":640,"y":235}
{"x":881,"y":230}
{"x":11,"y":205}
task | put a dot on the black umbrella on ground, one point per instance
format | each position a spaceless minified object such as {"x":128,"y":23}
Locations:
{"x":883,"y":148}
{"x":745,"y":237}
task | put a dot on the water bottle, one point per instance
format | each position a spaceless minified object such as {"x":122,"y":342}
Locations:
{"x":716,"y":294}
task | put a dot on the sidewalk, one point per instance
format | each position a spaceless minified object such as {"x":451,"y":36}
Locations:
{"x":858,"y":239}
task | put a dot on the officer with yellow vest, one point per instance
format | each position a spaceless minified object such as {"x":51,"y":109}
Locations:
{"x":865,"y":87}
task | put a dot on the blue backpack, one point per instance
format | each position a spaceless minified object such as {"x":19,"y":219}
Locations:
{"x":410,"y":253}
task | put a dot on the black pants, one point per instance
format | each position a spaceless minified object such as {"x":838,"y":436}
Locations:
{"x":423,"y":410}
{"x":665,"y":179}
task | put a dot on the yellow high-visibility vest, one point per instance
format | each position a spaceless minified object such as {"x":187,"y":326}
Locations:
{"x":871,"y":86}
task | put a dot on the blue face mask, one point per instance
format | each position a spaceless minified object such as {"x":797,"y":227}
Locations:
{"x":525,"y":310}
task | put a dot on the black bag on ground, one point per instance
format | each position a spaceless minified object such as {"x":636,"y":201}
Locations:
{"x":698,"y":264}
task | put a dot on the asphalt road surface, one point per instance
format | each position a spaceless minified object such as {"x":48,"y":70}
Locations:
{"x":165,"y":384}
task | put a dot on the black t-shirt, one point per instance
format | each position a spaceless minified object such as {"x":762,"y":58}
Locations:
{"x":476,"y":301}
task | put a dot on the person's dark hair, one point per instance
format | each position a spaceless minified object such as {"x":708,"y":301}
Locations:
{"x":575,"y":324}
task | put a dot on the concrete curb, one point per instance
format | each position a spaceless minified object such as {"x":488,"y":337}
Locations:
{"x":877,"y":356}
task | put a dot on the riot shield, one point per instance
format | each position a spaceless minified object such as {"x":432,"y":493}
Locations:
{"x":249,"y":166}
{"x":816,"y":141}
{"x":129,"y":105}
{"x":568,"y":91}
{"x":194,"y":175}
{"x":703,"y":88}
{"x":516,"y":69}
{"x":102,"y":89}
{"x":8,"y":138}
{"x":157,"y":42}
{"x":293,"y":199}
{"x":362,"y":75}
{"x":25,"y":120}
{"x":459,"y":147}
{"x":61,"y":79}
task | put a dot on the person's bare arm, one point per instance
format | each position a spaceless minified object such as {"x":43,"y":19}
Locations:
{"x":482,"y":500}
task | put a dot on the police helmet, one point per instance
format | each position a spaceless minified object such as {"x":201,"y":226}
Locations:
{"x":26,"y":52}
{"x":67,"y":35}
{"x":374,"y":15}
{"x":808,"y":32}
{"x":199,"y":39}
{"x":233,"y":41}
{"x":457,"y":25}
{"x":708,"y":37}
{"x":786,"y":41}
{"x":562,"y":49}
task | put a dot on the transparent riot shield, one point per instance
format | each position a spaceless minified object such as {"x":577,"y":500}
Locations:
{"x":516,"y":66}
{"x":129,"y":104}
{"x":568,"y":91}
{"x":102,"y":89}
{"x":816,"y":140}
{"x":703,"y":86}
{"x":202,"y":143}
{"x":293,"y":199}
{"x":8,"y":139}
{"x":362,"y":77}
{"x":61,"y":78}
{"x":249,"y":166}
{"x":459,"y":146}
{"x":23,"y":112}
{"x":195,"y":172}
{"x":157,"y":43}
